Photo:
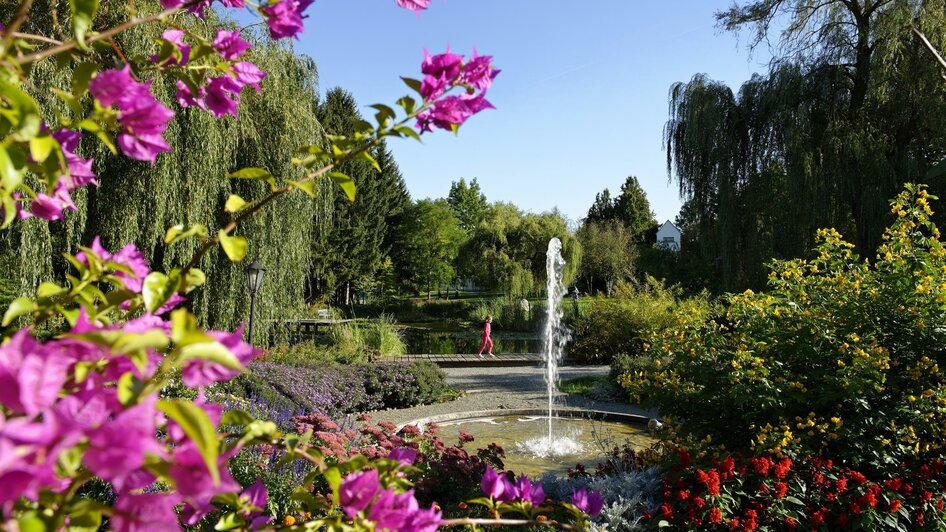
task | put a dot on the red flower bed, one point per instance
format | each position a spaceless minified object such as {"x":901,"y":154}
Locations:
{"x":747,"y":493}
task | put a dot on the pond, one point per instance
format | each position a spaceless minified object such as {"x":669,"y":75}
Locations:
{"x":446,"y":339}
{"x":524,"y":438}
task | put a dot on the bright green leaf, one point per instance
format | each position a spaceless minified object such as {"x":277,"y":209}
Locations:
{"x":41,"y":147}
{"x":234,"y":203}
{"x":233,"y":246}
{"x":178,"y":233}
{"x":211,"y":352}
{"x":20,"y":306}
{"x":156,"y":291}
{"x":412,"y":83}
{"x":309,"y":187}
{"x":81,"y":77}
{"x":346,"y":182}
{"x":251,"y":173}
{"x":198,"y":427}
{"x":83,"y":14}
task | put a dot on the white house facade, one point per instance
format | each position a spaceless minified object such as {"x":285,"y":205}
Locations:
{"x":668,"y":236}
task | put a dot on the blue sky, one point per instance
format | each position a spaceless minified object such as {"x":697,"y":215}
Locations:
{"x":581,"y":100}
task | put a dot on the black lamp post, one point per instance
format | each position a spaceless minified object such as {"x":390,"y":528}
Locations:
{"x":254,"y":279}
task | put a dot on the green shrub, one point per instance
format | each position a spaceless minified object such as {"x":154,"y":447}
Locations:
{"x":509,"y":315}
{"x":383,"y":336}
{"x":840,"y":358}
{"x":608,"y":327}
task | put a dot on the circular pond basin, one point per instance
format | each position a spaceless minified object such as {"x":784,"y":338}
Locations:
{"x":528,"y":448}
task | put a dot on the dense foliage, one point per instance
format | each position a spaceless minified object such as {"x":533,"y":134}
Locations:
{"x":852,"y":107}
{"x":619,"y":326}
{"x":837,"y":363}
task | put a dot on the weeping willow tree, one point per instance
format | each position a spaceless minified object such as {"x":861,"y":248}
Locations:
{"x":851,"y":108}
{"x":138,"y":202}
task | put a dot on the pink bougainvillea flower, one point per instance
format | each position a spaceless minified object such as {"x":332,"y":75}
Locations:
{"x":50,"y":207}
{"x":117,"y":449}
{"x":186,"y":98}
{"x":284,"y":17}
{"x":432,"y":88}
{"x":80,"y":170}
{"x":446,"y":65}
{"x":590,"y":503}
{"x":202,"y":372}
{"x":391,"y":511}
{"x":193,"y":480}
{"x":423,"y":520}
{"x":143,"y":118}
{"x":31,"y":374}
{"x":478,"y":72}
{"x":413,"y":5}
{"x":255,"y":498}
{"x":129,"y":257}
{"x":222,"y":96}
{"x":175,"y":37}
{"x":357,"y":490}
{"x":248,"y":74}
{"x":229,"y":44}
{"x":403,"y":455}
{"x":492,"y":483}
{"x":140,"y":512}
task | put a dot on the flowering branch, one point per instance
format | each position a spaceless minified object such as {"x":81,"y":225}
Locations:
{"x":464,"y":521}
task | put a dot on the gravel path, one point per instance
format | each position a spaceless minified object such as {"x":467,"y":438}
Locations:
{"x":505,"y":388}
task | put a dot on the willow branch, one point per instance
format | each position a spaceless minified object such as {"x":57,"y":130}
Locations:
{"x":927,"y":43}
{"x":512,"y":522}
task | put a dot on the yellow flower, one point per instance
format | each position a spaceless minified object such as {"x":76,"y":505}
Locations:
{"x":289,"y":520}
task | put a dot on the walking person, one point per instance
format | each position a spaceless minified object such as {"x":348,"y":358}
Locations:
{"x":487,"y":341}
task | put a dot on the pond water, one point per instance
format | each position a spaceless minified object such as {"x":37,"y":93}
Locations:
{"x":524,"y":438}
{"x":446,"y":339}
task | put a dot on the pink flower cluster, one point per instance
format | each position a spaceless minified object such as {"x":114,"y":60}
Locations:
{"x":142,"y":117}
{"x":61,"y":397}
{"x":360,"y":492}
{"x":221,"y":95}
{"x":446,"y":71}
{"x":498,"y":487}
{"x":50,"y":206}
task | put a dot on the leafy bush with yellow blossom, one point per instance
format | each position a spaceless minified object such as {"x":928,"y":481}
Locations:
{"x":841,"y":358}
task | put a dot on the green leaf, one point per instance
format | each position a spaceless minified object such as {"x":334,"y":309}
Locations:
{"x":346,"y":182}
{"x":198,"y":427}
{"x":229,"y":522}
{"x":81,"y":77}
{"x":157,"y":289}
{"x":408,"y":104}
{"x":47,"y":290}
{"x":178,"y":233}
{"x":794,"y":500}
{"x":309,"y":187}
{"x":236,"y":417}
{"x":251,"y":173}
{"x":20,"y":306}
{"x":408,"y":131}
{"x":334,"y":478}
{"x":212,"y":352}
{"x":193,"y":279}
{"x":128,"y":388}
{"x":83,"y":14}
{"x":41,"y":147}
{"x":234,"y":203}
{"x":11,"y":175}
{"x":233,"y":246}
{"x":412,"y":83}
{"x":23,"y":113}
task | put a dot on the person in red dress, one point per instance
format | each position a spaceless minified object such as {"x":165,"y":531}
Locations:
{"x":487,"y":341}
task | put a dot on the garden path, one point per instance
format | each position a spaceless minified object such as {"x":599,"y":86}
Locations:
{"x":502,"y":388}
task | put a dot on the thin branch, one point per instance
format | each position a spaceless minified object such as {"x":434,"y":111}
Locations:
{"x":34,"y":37}
{"x":70,"y":45}
{"x":21,"y":11}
